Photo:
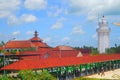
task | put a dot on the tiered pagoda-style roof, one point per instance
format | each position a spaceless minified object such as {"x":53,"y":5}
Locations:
{"x":38,"y":42}
{"x":33,"y":42}
{"x":36,"y":38}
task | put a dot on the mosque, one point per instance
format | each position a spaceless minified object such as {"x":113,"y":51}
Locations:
{"x":63,"y":62}
{"x":37,"y":43}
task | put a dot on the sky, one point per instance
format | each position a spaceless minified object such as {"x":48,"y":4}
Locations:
{"x":58,"y":22}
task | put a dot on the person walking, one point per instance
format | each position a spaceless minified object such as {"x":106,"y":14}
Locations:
{"x":102,"y":72}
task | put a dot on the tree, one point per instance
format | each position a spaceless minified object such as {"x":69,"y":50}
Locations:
{"x":46,"y":76}
{"x":26,"y":75}
{"x":30,"y":75}
{"x":7,"y":78}
{"x":110,"y":50}
{"x":13,"y":51}
{"x":115,"y":49}
{"x":2,"y":43}
{"x":76,"y":48}
{"x":95,"y":51}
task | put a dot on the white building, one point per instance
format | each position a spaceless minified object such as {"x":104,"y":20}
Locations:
{"x":103,"y":35}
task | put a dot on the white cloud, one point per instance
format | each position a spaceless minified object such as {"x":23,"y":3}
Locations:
{"x":66,"y":11}
{"x":58,"y":24}
{"x":118,"y":37}
{"x":25,"y":18}
{"x":94,"y":36}
{"x":16,"y":33}
{"x":77,"y":30}
{"x":66,"y":39}
{"x":8,"y":7}
{"x":29,"y":32}
{"x":94,"y":7}
{"x":35,"y":4}
{"x":47,"y":39}
{"x":28,"y":18}
{"x":54,"y":11}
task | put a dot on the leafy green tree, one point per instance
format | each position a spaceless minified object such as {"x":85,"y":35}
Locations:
{"x":95,"y":51}
{"x":26,"y":75}
{"x":110,"y":50}
{"x":2,"y":43}
{"x":77,"y":48}
{"x":13,"y":51}
{"x":30,"y":75}
{"x":115,"y":49}
{"x":46,"y":76}
{"x":3,"y":51}
{"x":7,"y":78}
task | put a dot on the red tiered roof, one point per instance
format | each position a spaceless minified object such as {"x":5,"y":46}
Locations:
{"x":36,"y":38}
{"x":40,"y":44}
{"x":33,"y":42}
{"x":58,"y":62}
{"x":19,"y":44}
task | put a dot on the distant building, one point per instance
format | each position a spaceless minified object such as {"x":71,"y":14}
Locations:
{"x":103,"y":35}
{"x":63,"y":48}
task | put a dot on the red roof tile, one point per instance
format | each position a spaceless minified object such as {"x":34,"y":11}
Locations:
{"x":63,"y":53}
{"x":32,"y":57}
{"x":19,"y":44}
{"x":40,"y":44}
{"x":52,"y":54}
{"x":57,"y":62}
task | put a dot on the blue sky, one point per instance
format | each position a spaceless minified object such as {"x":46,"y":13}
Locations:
{"x":58,"y":22}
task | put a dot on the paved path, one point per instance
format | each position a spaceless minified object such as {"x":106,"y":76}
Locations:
{"x":113,"y":75}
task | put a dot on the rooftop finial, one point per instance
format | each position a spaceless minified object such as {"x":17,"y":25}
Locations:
{"x":36,"y":34}
{"x":103,"y":16}
{"x":103,"y":19}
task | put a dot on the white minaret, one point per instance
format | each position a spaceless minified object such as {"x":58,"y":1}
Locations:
{"x":103,"y":35}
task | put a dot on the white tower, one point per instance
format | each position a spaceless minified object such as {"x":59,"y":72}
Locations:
{"x":103,"y":35}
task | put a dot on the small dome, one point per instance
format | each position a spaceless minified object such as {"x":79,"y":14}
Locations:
{"x":36,"y":39}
